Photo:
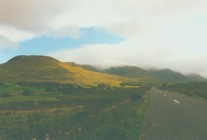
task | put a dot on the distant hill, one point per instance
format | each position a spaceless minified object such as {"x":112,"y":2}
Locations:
{"x":170,"y":76}
{"x":48,"y":69}
{"x":149,"y":76}
{"x":131,"y":72}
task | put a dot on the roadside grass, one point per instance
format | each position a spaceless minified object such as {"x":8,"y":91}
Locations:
{"x":95,"y":114}
{"x":195,"y":89}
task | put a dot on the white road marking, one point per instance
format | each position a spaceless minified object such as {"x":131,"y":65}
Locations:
{"x":176,"y":101}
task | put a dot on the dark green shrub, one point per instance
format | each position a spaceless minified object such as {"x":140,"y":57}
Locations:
{"x":111,"y":133}
{"x":135,"y":97}
{"x":2,"y":84}
{"x":26,"y":92}
{"x":5,"y":94}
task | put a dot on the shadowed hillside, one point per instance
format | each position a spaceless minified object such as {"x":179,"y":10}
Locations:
{"x":170,"y":76}
{"x":149,"y":76}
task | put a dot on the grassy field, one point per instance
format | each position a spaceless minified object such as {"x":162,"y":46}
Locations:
{"x":196,"y":89}
{"x":73,"y":113}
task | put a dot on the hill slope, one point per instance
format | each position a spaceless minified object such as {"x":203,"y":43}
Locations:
{"x":149,"y":76}
{"x":131,"y":72}
{"x":170,"y":76}
{"x":47,"y":69}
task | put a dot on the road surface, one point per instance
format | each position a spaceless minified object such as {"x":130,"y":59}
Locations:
{"x":173,"y":116}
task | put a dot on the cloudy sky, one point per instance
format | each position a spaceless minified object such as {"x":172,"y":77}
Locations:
{"x":146,"y":33}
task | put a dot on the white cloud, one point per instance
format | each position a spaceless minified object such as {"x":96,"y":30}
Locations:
{"x":159,"y":56}
{"x":123,"y":17}
{"x":72,"y":32}
{"x":107,"y":55}
{"x":31,"y":15}
{"x":179,"y":45}
{"x":24,"y":19}
{"x":6,"y":43}
{"x":14,"y":34}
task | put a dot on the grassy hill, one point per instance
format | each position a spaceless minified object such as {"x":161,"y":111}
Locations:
{"x":170,"y":76}
{"x":47,"y":69}
{"x":149,"y":76}
{"x":197,"y":89}
{"x":132,"y":72}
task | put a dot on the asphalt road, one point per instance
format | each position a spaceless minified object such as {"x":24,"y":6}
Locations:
{"x":173,"y":116}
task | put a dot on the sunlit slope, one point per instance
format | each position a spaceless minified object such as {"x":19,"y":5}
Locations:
{"x":47,"y":69}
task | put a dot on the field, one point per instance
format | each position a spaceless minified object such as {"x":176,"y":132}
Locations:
{"x":64,"y":112}
{"x":195,"y":89}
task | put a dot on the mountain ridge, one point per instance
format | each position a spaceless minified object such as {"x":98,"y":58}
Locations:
{"x":158,"y":76}
{"x":47,"y":69}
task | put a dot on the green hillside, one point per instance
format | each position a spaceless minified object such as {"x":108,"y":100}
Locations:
{"x":132,"y":72}
{"x":170,"y":76}
{"x":47,"y":69}
{"x":149,"y":76}
{"x":197,"y":89}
